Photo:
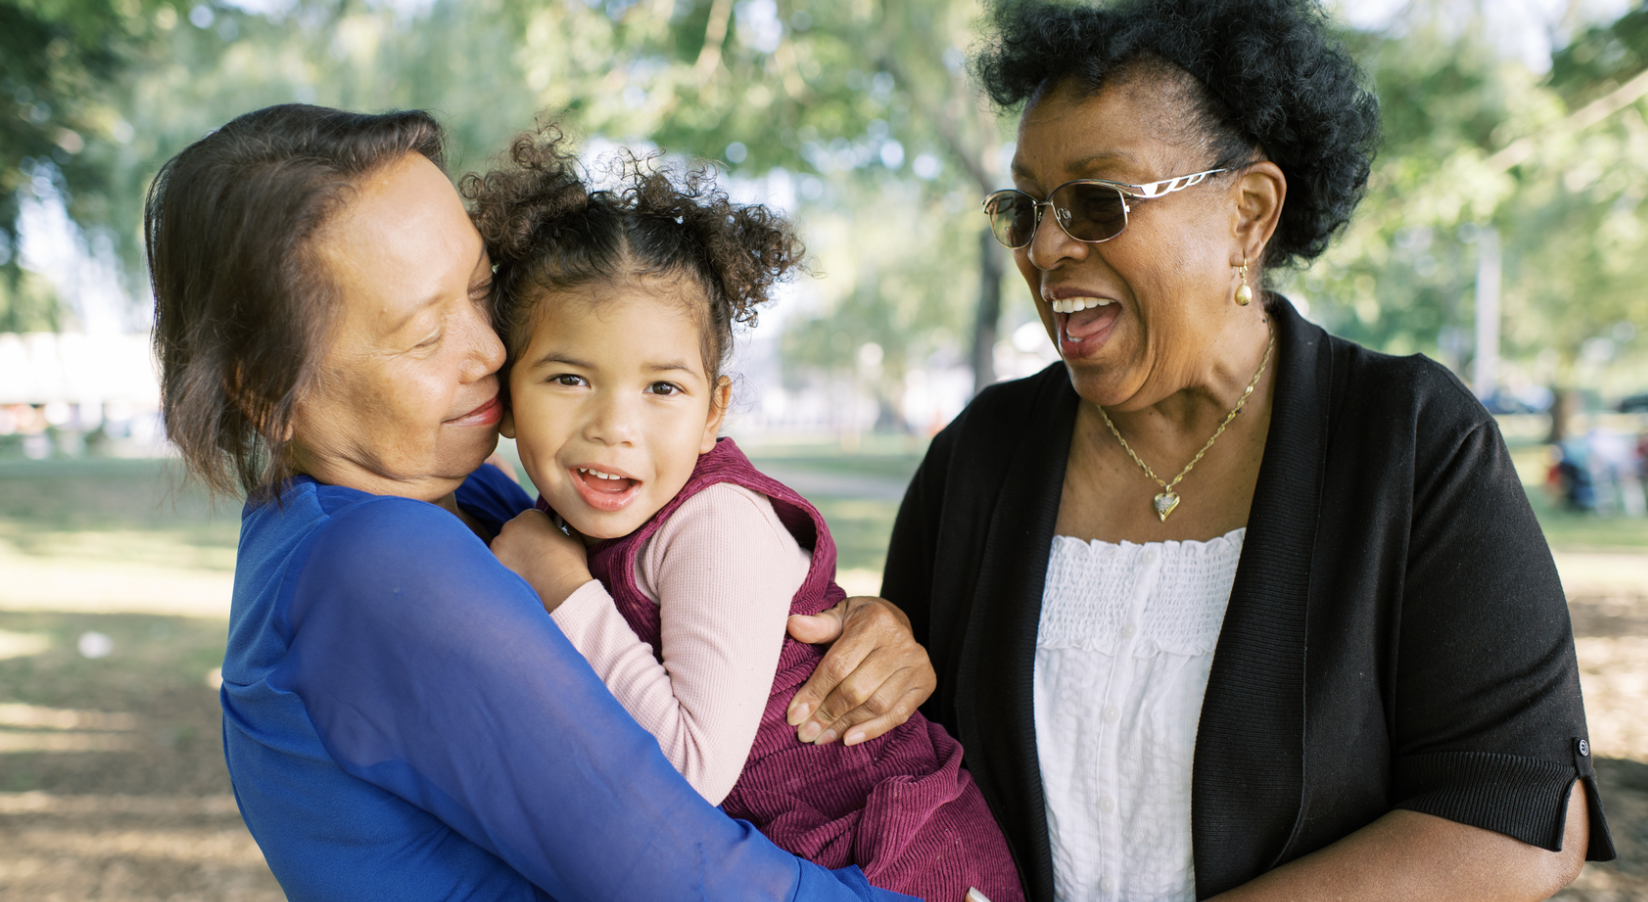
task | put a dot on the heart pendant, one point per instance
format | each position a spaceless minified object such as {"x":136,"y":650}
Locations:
{"x":1165,"y":503}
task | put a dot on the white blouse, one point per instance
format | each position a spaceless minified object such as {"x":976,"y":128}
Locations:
{"x":1122,"y":656}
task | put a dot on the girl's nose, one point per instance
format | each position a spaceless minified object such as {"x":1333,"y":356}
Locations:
{"x":612,"y":420}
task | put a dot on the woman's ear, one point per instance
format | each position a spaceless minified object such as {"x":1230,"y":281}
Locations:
{"x":720,"y":398}
{"x":1260,"y":190}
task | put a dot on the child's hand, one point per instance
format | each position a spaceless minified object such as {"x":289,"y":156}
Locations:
{"x":549,"y":560}
{"x":872,"y":679}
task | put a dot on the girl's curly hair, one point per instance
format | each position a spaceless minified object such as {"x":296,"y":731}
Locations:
{"x":547,"y":230}
{"x":1268,"y":80}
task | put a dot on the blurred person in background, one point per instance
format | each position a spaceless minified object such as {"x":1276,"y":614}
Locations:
{"x":1222,"y":605}
{"x":402,"y":719}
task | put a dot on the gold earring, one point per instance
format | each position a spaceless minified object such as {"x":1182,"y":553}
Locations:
{"x":1244,"y":294}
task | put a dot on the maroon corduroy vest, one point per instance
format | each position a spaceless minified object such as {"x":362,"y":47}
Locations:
{"x":898,"y":806}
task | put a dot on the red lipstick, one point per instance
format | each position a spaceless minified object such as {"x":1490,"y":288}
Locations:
{"x":487,"y":414}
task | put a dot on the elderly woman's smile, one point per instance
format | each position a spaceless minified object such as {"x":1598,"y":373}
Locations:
{"x":1133,"y":315}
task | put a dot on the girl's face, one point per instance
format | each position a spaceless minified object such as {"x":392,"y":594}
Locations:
{"x":610,"y":403}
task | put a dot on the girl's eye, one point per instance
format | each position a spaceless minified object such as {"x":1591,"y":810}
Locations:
{"x":568,"y":379}
{"x":664,"y":388}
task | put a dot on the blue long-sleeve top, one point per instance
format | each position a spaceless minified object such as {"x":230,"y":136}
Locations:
{"x":402,"y":721}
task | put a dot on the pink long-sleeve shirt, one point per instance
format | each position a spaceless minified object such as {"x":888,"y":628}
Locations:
{"x":723,"y":570}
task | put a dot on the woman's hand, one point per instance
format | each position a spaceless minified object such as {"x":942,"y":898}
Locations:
{"x":872,"y":679}
{"x":549,"y":560}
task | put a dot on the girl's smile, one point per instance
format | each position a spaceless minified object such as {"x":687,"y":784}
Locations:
{"x":604,"y":490}
{"x":611,"y":402}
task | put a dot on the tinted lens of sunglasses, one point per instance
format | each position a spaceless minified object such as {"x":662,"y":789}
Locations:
{"x":1090,"y":212}
{"x":1012,"y":217}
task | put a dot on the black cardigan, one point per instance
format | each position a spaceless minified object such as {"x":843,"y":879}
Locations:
{"x":1396,"y":637}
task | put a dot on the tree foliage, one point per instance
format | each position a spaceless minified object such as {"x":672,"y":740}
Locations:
{"x":63,"y":67}
{"x":863,"y":109}
{"x":1477,"y":141}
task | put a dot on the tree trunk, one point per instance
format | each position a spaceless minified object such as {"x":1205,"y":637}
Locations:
{"x":1563,"y":402}
{"x":989,"y":312}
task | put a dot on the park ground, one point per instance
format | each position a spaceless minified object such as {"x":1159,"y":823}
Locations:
{"x":112,"y":784}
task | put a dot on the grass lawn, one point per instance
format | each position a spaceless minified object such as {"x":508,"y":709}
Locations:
{"x":140,"y":511}
{"x":858,"y":494}
{"x":1571,"y":530}
{"x":136,"y":511}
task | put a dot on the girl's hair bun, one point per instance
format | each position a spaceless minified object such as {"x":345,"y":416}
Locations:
{"x":546,"y":230}
{"x":518,"y":208}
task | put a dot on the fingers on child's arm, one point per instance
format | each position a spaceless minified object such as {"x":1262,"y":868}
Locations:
{"x":816,"y":629}
{"x":899,"y":712}
{"x":820,"y":688}
{"x":875,"y":672}
{"x":889,"y":705}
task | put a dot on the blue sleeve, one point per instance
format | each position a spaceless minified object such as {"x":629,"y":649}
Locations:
{"x":492,"y":497}
{"x":433,"y":672}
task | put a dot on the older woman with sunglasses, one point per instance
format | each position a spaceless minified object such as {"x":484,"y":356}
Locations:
{"x":1223,"y":605}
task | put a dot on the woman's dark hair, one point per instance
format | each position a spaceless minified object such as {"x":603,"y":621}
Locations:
{"x":1268,"y":81}
{"x":546,"y":230}
{"x":242,"y":306}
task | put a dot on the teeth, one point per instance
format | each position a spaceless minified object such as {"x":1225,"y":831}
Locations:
{"x":1077,"y":305}
{"x":597,"y":473}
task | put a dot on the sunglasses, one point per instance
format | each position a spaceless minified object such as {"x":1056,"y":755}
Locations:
{"x":1089,"y":210}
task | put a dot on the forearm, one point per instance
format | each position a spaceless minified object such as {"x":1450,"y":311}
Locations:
{"x":1407,"y":855}
{"x":703,"y":714}
{"x":516,"y":745}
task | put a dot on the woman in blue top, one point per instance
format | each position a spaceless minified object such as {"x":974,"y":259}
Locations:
{"x":401,"y":718}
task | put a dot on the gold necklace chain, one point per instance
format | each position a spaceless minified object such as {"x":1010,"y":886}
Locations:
{"x":1168,"y":500}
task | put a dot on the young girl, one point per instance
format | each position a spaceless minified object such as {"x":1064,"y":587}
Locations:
{"x":617,"y":308}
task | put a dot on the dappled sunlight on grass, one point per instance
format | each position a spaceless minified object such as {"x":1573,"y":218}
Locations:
{"x":127,"y":847}
{"x":193,"y":549}
{"x":18,"y":645}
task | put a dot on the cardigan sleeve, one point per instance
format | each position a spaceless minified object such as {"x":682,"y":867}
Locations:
{"x":907,"y":578}
{"x":430,"y":671}
{"x":1488,"y":727}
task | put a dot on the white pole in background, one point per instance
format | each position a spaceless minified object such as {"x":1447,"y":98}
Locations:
{"x":1485,"y":371}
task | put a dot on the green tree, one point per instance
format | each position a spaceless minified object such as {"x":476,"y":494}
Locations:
{"x":858,"y":94}
{"x":63,"y":65}
{"x":1557,"y":165}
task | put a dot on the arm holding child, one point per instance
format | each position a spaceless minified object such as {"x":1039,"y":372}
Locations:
{"x":874,"y":676}
{"x":720,"y":575}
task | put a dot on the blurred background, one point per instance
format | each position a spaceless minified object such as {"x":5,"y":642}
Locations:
{"x":1504,"y":234}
